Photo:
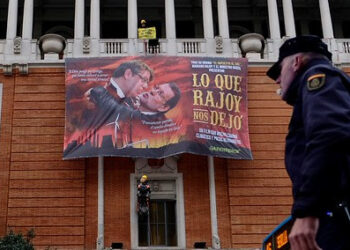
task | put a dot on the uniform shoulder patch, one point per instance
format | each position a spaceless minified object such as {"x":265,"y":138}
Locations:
{"x":316,"y":81}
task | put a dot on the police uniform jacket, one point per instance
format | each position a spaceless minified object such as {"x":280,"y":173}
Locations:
{"x":318,"y":142}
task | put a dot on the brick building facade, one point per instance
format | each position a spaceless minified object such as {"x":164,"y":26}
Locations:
{"x":59,"y":198}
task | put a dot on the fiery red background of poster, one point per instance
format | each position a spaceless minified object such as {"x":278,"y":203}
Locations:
{"x":210,"y":118}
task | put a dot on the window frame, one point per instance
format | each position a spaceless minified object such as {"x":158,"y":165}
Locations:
{"x":180,"y":210}
{"x":165,"y":206}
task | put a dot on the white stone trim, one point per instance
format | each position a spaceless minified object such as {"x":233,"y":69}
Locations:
{"x":12,"y":15}
{"x":223,"y":19}
{"x":274,"y":22}
{"x":100,"y":205}
{"x":213,"y":213}
{"x":208,"y":25}
{"x":95,"y":27}
{"x":27,"y":27}
{"x":170,"y":26}
{"x":1,"y":85}
{"x":132,"y":26}
{"x":289,"y":22}
{"x":326,"y":19}
{"x":79,"y":27}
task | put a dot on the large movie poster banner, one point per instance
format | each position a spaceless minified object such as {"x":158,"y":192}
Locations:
{"x":156,"y":106}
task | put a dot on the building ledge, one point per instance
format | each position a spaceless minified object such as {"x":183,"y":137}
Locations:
{"x":33,"y":56}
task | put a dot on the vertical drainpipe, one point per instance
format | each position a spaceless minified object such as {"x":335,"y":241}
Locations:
{"x":213,"y":214}
{"x":100,"y":205}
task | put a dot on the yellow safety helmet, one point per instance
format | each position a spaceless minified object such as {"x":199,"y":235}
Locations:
{"x":143,"y":21}
{"x":144,"y":177}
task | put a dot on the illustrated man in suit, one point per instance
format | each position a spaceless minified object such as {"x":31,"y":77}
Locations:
{"x":128,"y":80}
{"x":148,"y":106}
{"x":160,"y":99}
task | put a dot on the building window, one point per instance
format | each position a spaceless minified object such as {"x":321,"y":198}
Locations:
{"x":346,"y":30}
{"x":20,"y":17}
{"x":307,"y":18}
{"x":154,"y":13}
{"x":340,"y":18}
{"x":3,"y":18}
{"x":165,"y":226}
{"x":159,"y":228}
{"x":315,"y":28}
{"x":189,"y":19}
{"x":246,"y":17}
{"x":53,"y":17}
{"x":114,"y":19}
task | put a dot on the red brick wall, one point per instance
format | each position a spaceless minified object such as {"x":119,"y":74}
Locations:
{"x":196,"y":194}
{"x":59,"y":198}
{"x":5,"y":146}
{"x":117,"y":203}
{"x":44,"y":192}
{"x":259,"y":190}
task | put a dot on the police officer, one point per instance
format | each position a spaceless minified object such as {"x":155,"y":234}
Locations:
{"x":317,"y":155}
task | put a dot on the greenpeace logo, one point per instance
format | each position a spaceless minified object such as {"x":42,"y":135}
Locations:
{"x":226,"y":150}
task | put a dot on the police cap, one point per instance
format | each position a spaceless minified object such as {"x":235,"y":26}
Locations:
{"x":306,"y":43}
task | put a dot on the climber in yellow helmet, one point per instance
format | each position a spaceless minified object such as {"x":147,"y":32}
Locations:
{"x":143,"y":196}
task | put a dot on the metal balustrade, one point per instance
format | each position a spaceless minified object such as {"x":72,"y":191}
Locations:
{"x":341,"y":51}
{"x":153,"y":49}
{"x":113,"y":46}
{"x":346,"y":46}
{"x":192,"y":46}
{"x":184,"y":47}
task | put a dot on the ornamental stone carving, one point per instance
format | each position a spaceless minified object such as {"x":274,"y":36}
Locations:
{"x":169,"y":166}
{"x":7,"y":69}
{"x":17,"y":41}
{"x":219,"y":42}
{"x":23,"y":68}
{"x":86,"y":45}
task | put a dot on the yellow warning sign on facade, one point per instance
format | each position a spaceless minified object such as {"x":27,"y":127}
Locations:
{"x":147,"y":33}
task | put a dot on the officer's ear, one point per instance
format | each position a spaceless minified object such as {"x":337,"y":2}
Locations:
{"x":298,"y":62}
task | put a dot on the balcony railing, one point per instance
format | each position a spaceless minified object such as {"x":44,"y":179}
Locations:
{"x":181,"y":47}
{"x":343,"y":50}
{"x":191,"y":46}
{"x":113,"y":46}
{"x":346,"y":46}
